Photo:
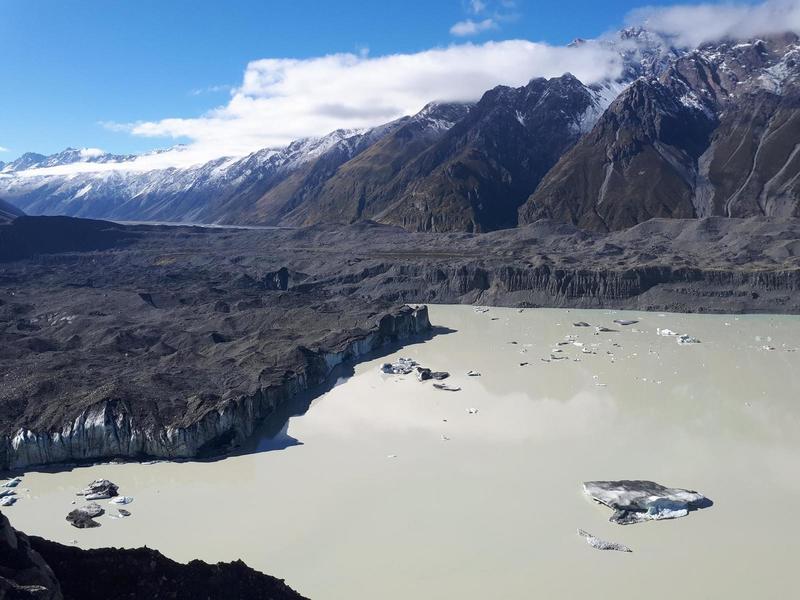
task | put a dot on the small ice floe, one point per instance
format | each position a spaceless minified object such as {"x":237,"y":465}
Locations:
{"x":581,"y":324}
{"x":6,"y":493}
{"x":123,"y":513}
{"x":473,"y":374}
{"x":423,"y":374}
{"x":556,"y":350}
{"x":578,"y":344}
{"x":12,"y":483}
{"x":767,"y":348}
{"x":8,"y":500}
{"x":601,"y":329}
{"x":636,"y":501}
{"x":402,"y":366}
{"x":587,"y":350}
{"x":121,"y":500}
{"x":446,"y":388}
{"x":596,"y":542}
{"x":685,"y":338}
{"x":555,"y":357}
{"x":445,"y":438}
{"x":666,"y":332}
{"x":391,"y":456}
{"x":472,"y":411}
{"x":522,"y":364}
{"x":480,"y":309}
{"x":625,"y":322}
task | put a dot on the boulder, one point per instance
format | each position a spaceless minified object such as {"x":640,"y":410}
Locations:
{"x":636,"y":501}
{"x":83,"y":517}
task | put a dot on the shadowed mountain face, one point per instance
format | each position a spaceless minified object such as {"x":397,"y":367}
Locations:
{"x":680,"y":134}
{"x":716,"y":134}
{"x":468,"y":177}
{"x":8,"y":212}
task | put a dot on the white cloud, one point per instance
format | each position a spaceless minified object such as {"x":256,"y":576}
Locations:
{"x":4,"y":149}
{"x":91,"y":152}
{"x":470,"y":27}
{"x":477,"y":6}
{"x":281,"y":100}
{"x":212,"y":89}
{"x":691,"y":25}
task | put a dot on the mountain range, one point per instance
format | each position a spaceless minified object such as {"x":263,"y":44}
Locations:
{"x":681,"y":133}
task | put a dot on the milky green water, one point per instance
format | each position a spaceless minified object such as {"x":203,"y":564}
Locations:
{"x":372,"y":502}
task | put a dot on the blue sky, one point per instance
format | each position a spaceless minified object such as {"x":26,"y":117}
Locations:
{"x":70,"y":66}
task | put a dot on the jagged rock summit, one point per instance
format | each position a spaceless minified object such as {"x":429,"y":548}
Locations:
{"x":677,"y":133}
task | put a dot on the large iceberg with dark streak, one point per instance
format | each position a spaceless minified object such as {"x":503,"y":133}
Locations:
{"x":635,"y":501}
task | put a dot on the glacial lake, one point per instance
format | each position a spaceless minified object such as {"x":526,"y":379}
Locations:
{"x":385,"y":487}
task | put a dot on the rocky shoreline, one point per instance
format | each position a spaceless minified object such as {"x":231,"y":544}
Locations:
{"x":107,"y":430}
{"x":38,"y":569}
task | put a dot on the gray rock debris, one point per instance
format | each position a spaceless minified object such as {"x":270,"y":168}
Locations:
{"x":83,"y":517}
{"x":596,"y":542}
{"x":636,"y":501}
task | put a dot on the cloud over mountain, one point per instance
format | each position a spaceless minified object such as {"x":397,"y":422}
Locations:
{"x":282,"y":99}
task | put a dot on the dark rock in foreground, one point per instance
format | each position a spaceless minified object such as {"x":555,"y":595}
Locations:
{"x":636,"y":501}
{"x":24,"y":574}
{"x":37,"y":569}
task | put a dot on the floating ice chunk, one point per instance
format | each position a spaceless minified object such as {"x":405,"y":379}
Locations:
{"x":625,"y":322}
{"x":666,"y":332}
{"x":472,"y":411}
{"x":402,"y":366}
{"x":447,"y":388}
{"x":636,"y":501}
{"x":100,"y":489}
{"x":12,"y":483}
{"x":121,"y":500}
{"x":473,"y":374}
{"x":685,"y":338}
{"x":596,"y":542}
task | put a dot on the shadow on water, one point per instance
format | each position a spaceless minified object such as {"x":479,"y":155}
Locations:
{"x":270,"y":435}
{"x":273,"y":433}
